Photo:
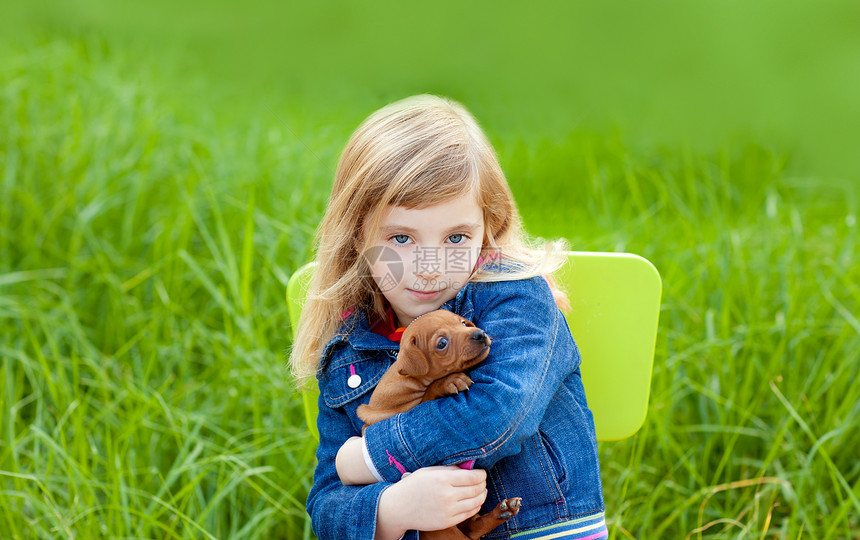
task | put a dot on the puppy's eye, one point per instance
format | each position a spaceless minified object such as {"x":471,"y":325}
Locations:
{"x":442,"y":343}
{"x":463,"y":323}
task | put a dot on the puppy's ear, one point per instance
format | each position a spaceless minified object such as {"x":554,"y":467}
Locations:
{"x":413,"y":361}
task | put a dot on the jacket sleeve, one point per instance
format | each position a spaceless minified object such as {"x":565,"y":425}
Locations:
{"x":338,"y":511}
{"x":531,"y":353}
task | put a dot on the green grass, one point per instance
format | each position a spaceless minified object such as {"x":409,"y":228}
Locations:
{"x":147,"y":235}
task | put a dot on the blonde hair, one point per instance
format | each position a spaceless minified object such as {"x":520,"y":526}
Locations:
{"x":417,"y":152}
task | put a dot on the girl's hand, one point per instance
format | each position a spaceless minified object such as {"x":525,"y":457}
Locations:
{"x":430,"y":499}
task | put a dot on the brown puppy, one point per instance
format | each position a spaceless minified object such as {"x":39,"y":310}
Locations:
{"x":435,"y":350}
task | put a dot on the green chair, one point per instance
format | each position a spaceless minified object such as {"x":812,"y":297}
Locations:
{"x":614,"y":308}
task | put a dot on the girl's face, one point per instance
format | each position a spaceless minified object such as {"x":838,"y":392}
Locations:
{"x":420,"y":259}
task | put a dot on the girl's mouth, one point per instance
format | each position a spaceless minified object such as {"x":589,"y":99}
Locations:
{"x":425,"y":295}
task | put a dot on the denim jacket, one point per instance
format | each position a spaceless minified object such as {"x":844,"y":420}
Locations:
{"x":524,"y":419}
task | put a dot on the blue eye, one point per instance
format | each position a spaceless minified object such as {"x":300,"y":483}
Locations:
{"x":402,"y":236}
{"x":460,"y":238}
{"x":441,"y":344}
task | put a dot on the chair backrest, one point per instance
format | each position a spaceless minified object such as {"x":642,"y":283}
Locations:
{"x":614,"y":309}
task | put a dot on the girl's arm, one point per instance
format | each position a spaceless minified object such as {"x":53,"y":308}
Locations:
{"x":338,"y":511}
{"x":531,"y":354}
{"x":352,"y":467}
{"x":430,"y":499}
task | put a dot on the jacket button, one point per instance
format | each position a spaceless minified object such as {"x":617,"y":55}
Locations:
{"x":353,"y":381}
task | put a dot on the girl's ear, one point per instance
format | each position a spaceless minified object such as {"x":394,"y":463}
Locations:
{"x":413,"y":361}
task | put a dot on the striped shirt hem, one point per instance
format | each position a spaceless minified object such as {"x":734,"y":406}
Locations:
{"x":586,"y":528}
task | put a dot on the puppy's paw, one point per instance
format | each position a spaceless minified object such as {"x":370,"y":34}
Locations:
{"x":509,"y":508}
{"x":448,"y":386}
{"x":456,"y":383}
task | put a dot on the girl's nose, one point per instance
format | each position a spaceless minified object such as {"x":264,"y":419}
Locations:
{"x":428,"y":274}
{"x":428,"y":270}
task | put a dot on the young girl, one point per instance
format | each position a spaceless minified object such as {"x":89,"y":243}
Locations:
{"x":421,"y":218}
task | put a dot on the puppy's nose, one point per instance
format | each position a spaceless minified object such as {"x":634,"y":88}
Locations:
{"x":479,"y":335}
